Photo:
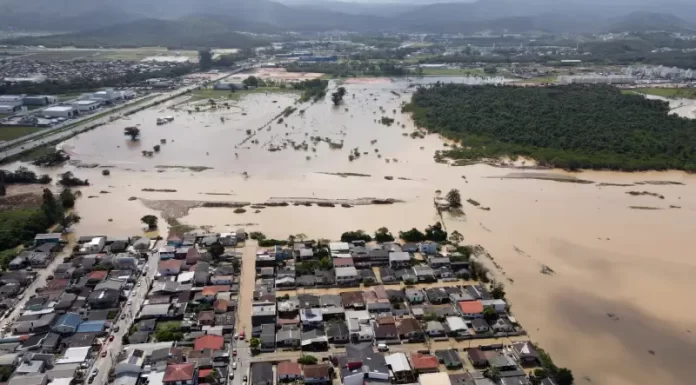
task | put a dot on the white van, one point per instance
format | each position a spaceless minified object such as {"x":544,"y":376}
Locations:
{"x":382,"y":347}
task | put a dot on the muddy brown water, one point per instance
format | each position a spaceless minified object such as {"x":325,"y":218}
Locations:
{"x":622,"y":277}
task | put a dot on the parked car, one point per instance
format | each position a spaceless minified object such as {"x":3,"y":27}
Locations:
{"x":234,"y":365}
{"x":111,"y":337}
{"x":234,"y":352}
{"x":103,"y":354}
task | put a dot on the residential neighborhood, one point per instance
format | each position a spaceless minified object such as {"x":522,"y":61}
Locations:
{"x":206,"y":308}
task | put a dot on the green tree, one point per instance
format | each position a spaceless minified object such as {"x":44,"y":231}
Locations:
{"x":358,"y":235}
{"x":498,"y":290}
{"x":383,"y":235}
{"x":50,"y":207}
{"x":205,"y":59}
{"x":490,"y":69}
{"x":564,"y":377}
{"x":254,"y":343}
{"x":435,"y":233}
{"x":489,"y":314}
{"x":454,"y":198}
{"x":67,"y":199}
{"x":168,"y":331}
{"x":413,"y":235}
{"x":251,"y":81}
{"x":68,"y":220}
{"x":306,"y":359}
{"x":493,"y":373}
{"x":456,"y":237}
{"x":150,"y":221}
{"x":133,"y":132}
{"x":5,"y":373}
{"x":337,"y":96}
{"x":216,"y":250}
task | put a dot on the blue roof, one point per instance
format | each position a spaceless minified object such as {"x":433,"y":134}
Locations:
{"x":91,"y":326}
{"x":71,"y":320}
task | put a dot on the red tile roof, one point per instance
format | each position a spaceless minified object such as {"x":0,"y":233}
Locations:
{"x":470,"y":307}
{"x":220,"y":304}
{"x":203,"y":373}
{"x":170,"y":264}
{"x":213,"y":290}
{"x":209,"y":342}
{"x":316,"y":371}
{"x":98,"y":274}
{"x":424,"y":361}
{"x":289,"y":367}
{"x":179,"y":372}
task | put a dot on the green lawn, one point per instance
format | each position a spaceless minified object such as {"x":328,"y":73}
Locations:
{"x":14,"y":132}
{"x":687,"y":93}
{"x":453,"y":71}
{"x":542,"y":79}
{"x":209,"y":93}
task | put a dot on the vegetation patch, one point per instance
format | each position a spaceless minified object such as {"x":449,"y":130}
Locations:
{"x":14,"y":132}
{"x":571,"y":127}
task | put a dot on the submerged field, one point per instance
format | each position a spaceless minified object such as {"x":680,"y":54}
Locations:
{"x":601,"y":251}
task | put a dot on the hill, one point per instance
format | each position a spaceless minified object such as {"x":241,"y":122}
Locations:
{"x":184,"y":33}
{"x":564,"y":126}
{"x":649,"y":21}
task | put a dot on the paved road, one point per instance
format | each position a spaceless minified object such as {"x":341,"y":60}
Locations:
{"x":137,"y":296}
{"x":39,"y":281}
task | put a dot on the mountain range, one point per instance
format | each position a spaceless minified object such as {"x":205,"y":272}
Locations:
{"x":191,"y":22}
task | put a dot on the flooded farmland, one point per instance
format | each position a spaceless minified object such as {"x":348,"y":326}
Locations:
{"x":612,"y":307}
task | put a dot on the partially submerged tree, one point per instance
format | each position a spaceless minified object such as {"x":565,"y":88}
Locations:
{"x":454,"y":198}
{"x":216,"y":250}
{"x":150,"y":221}
{"x":383,"y":235}
{"x":456,"y":237}
{"x":337,"y":96}
{"x":133,"y":132}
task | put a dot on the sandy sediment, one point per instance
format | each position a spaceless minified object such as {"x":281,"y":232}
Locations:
{"x":544,"y":176}
{"x":353,"y":202}
{"x":639,"y":193}
{"x":345,"y":174}
{"x":191,"y":168}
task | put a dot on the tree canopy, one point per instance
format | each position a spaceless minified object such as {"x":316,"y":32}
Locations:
{"x":358,"y":235}
{"x":574,"y":126}
{"x":150,"y":221}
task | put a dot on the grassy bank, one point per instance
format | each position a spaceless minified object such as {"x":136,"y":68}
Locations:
{"x":209,"y":93}
{"x":672,"y":93}
{"x":14,"y":132}
{"x":453,"y":72}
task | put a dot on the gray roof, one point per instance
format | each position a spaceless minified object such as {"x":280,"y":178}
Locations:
{"x":330,"y":300}
{"x":399,"y":256}
{"x":288,"y":335}
{"x":346,"y":272}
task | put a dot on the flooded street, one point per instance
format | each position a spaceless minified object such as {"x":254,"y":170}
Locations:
{"x":614,"y":310}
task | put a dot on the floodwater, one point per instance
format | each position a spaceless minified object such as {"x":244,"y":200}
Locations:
{"x":616,"y":310}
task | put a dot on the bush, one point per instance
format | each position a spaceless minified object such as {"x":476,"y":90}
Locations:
{"x":306,"y":359}
{"x":358,"y":235}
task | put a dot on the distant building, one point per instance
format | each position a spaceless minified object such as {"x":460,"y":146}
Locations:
{"x":86,"y":106}
{"x":39,"y":100}
{"x":59,"y":112}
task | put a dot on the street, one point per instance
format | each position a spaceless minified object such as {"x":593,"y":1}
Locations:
{"x":244,"y":302}
{"x":137,"y":295}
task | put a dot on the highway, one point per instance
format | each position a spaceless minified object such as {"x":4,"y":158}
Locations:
{"x":137,"y":296}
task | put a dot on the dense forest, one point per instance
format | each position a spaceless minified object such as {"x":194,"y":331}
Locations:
{"x":570,"y":127}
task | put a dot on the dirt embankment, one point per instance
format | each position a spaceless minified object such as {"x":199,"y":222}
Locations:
{"x":544,"y":176}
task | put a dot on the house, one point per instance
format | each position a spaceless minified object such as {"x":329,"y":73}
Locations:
{"x":289,"y":371}
{"x":125,"y":261}
{"x":424,"y":273}
{"x":477,"y":357}
{"x":353,"y":300}
{"x":477,"y":292}
{"x":268,"y":338}
{"x":67,"y":323}
{"x":314,"y":340}
{"x":311,"y":318}
{"x":337,"y":332}
{"x":169,"y":267}
{"x":376,"y":257}
{"x":410,"y":329}
{"x":400,"y":368}
{"x":399,"y":259}
{"x":288,"y":338}
{"x":424,"y":363}
{"x":305,"y":254}
{"x":316,"y":374}
{"x":387,"y":275}
{"x":221,"y":280}
{"x":409,"y":247}
{"x":457,"y":327}
{"x":206,"y":318}
{"x":502,"y":361}
{"x":180,"y":374}
{"x":34,"y":324}
{"x":343,"y":262}
{"x":325,"y":277}
{"x":498,"y":305}
{"x":525,"y":353}
{"x":415,"y":296}
{"x":263,"y":314}
{"x":261,"y":373}
{"x":480,"y":325}
{"x":41,"y":239}
{"x":339,"y":247}
{"x":385,"y":332}
{"x":104,"y":299}
{"x":437,"y":296}
{"x":434,"y":329}
{"x":358,"y":322}
{"x":450,"y":358}
{"x":307,"y":301}
{"x":166,"y":252}
{"x":470,"y":309}
{"x":175,"y":239}
{"x":96,"y":245}
{"x":367,"y":277}
{"x":346,"y":276}
{"x":330,"y":301}
{"x":428,"y":248}
{"x":438,"y":262}
{"x":502,"y":325}
{"x":361,"y":364}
